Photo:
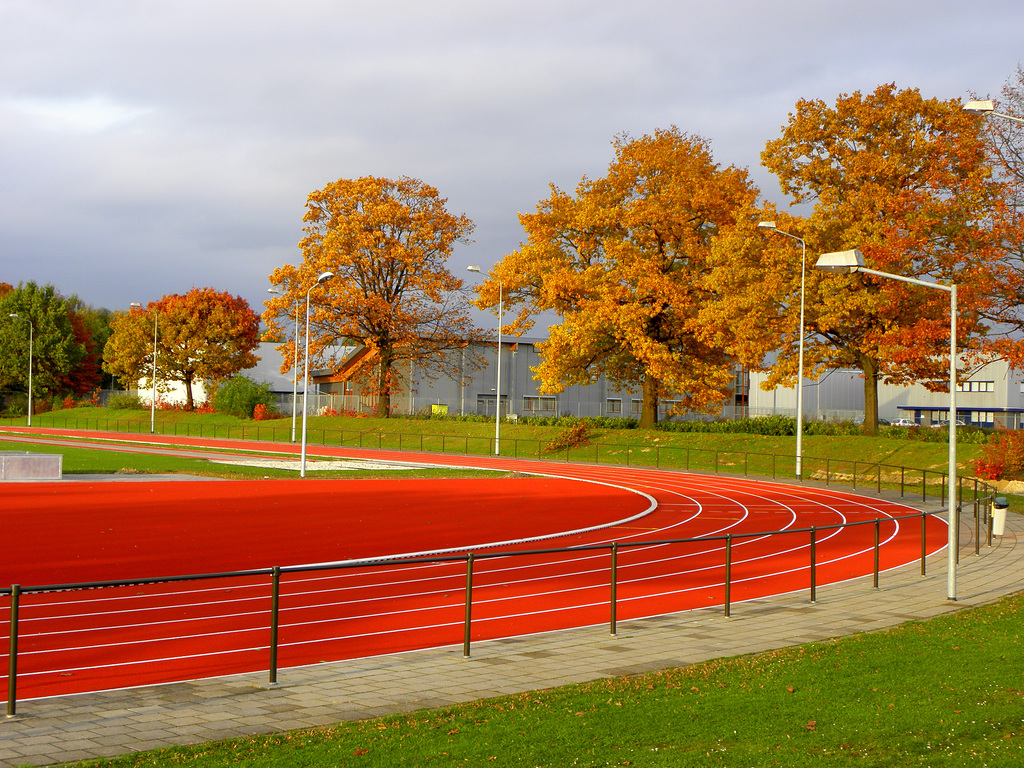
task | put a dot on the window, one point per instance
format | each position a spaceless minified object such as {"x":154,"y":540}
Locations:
{"x":666,"y":406}
{"x":539,"y":404}
{"x":978,"y":386}
{"x":613,"y":406}
{"x":636,"y":407}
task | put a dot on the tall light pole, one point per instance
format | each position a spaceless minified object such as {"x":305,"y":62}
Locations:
{"x":770,"y":226}
{"x":853,"y":261}
{"x":295,"y":363}
{"x":988,"y":108}
{"x":305,"y":392}
{"x":152,"y":399}
{"x":497,"y":382}
{"x":31,"y":328}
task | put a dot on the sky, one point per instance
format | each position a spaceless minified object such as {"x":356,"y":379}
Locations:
{"x":149,"y":147}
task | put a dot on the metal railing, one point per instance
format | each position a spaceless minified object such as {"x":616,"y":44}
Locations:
{"x":16,"y":592}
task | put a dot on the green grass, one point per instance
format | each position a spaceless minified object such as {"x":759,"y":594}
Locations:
{"x":842,"y":459}
{"x":947,"y":692}
{"x":88,"y":461}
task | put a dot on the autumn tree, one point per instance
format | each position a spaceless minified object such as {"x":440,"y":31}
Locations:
{"x":387,"y":243}
{"x":1006,"y":154}
{"x":905,"y":180}
{"x":201,"y":335}
{"x":624,"y":263}
{"x":56,"y":349}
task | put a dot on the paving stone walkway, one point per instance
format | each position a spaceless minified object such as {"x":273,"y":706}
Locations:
{"x":70,"y":728}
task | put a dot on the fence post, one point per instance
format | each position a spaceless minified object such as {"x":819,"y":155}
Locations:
{"x":879,"y":479}
{"x":855,"y":474}
{"x":275,"y":598}
{"x":924,"y":486}
{"x":828,"y":471}
{"x":903,"y":472}
{"x":614,"y":585}
{"x":923,"y":548}
{"x":876,"y":552}
{"x":814,"y":575}
{"x":728,"y":573}
{"x":12,"y":656}
{"x":469,"y":605}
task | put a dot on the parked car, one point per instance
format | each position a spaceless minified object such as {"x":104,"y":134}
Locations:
{"x":905,"y":423}
{"x":945,"y":424}
{"x":858,"y":420}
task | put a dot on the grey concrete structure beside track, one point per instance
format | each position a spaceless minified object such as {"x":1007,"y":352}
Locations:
{"x":70,"y":728}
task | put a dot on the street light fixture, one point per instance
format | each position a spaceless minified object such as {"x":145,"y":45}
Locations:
{"x":31,"y":328}
{"x":295,"y":363}
{"x":845,"y":262}
{"x":323,"y":278}
{"x":988,"y":108}
{"x":497,"y":384}
{"x":770,"y":226}
{"x":152,"y":399}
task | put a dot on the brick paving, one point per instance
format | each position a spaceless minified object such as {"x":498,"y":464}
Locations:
{"x":70,"y":728}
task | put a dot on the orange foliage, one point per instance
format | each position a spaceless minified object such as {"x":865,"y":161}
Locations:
{"x":387,"y":243}
{"x":624,"y":262}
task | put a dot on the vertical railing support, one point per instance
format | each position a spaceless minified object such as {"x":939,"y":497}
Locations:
{"x":275,"y":603}
{"x":12,"y":655}
{"x":814,"y":575}
{"x":877,"y":523}
{"x":728,"y":574}
{"x":924,"y":550}
{"x":614,"y":586}
{"x":469,"y":605}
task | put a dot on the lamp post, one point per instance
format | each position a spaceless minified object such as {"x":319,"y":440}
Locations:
{"x":497,"y":382}
{"x":295,"y":363}
{"x":31,"y":328}
{"x":988,"y":108}
{"x":152,"y":399}
{"x":846,"y":262}
{"x":323,"y":278}
{"x":770,"y":226}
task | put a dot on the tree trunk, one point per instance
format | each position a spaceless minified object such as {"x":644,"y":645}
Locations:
{"x":870,"y":369}
{"x":384,"y":385}
{"x":649,"y":410}
{"x":188,"y":393}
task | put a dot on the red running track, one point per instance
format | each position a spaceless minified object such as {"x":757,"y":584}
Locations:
{"x":73,"y":641}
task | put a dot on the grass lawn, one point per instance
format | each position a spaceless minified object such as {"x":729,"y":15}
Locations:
{"x":947,"y":692}
{"x":90,"y":461}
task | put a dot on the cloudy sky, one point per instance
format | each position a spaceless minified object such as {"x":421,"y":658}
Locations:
{"x":148,"y":147}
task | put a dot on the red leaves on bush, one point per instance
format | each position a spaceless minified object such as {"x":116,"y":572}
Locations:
{"x":1002,"y":457}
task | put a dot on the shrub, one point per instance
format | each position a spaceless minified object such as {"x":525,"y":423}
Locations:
{"x":1002,"y":457}
{"x":262,"y":413}
{"x":575,"y":436}
{"x":122,"y":401}
{"x":69,"y":402}
{"x":239,"y":396}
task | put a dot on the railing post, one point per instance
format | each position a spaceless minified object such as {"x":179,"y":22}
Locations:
{"x":275,"y":602}
{"x":728,"y":574}
{"x":876,"y":552}
{"x":924,"y":486}
{"x":903,"y":472}
{"x":469,"y":605}
{"x":879,"y":491}
{"x":614,"y":585}
{"x":828,"y":471}
{"x":855,"y":474}
{"x":924,"y":553}
{"x":12,"y":655}
{"x":814,"y":575}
